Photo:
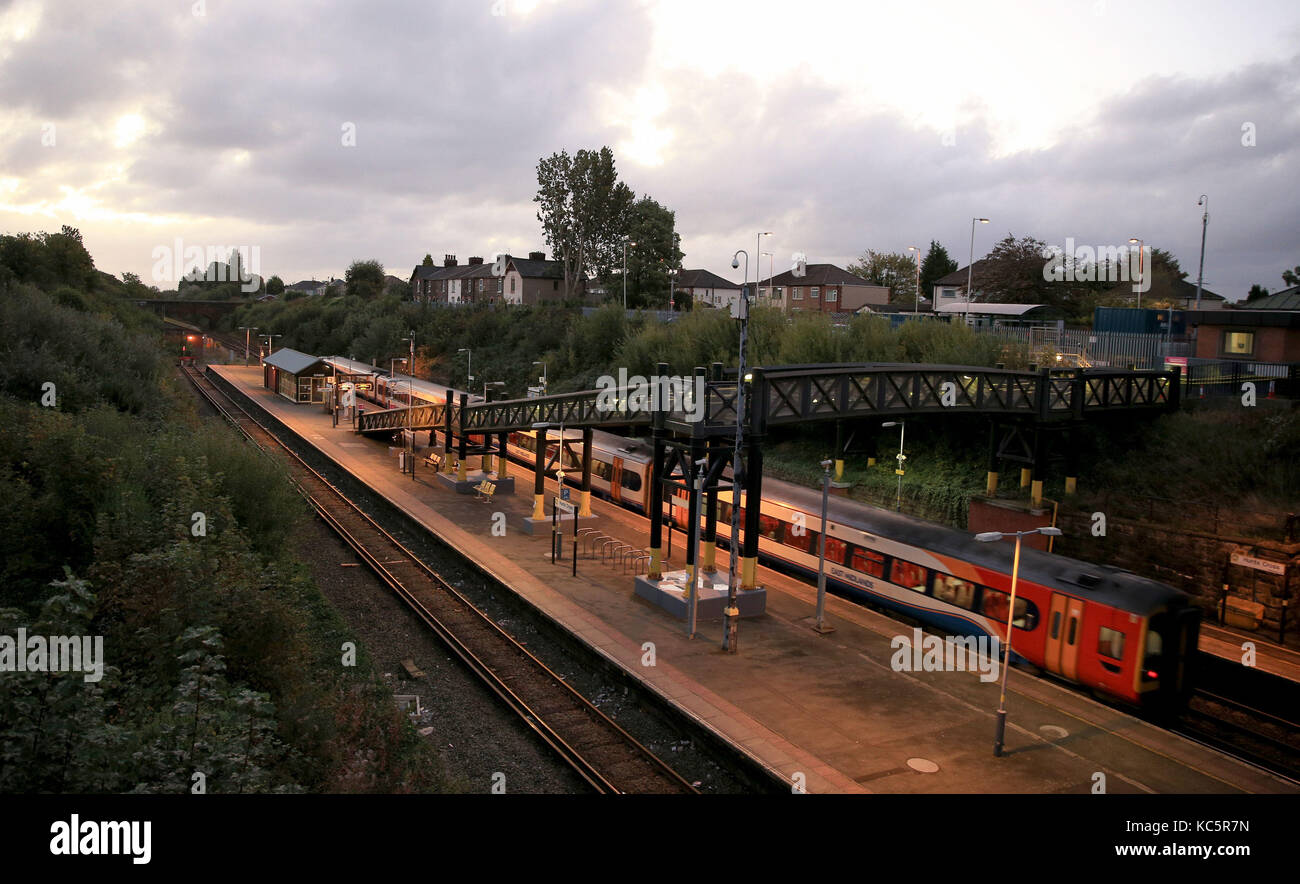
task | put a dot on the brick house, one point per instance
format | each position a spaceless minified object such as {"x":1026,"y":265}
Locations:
{"x":824,"y":288}
{"x":707,"y":289}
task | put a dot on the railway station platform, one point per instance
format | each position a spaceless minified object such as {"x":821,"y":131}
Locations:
{"x":825,"y":711}
{"x":1270,"y":657}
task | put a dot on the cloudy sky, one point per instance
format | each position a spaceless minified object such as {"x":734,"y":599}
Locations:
{"x":321,"y":132}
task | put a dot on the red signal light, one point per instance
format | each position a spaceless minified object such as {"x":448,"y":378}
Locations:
{"x":1151,"y":673}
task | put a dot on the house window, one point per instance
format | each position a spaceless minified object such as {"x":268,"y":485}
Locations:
{"x":780,"y":292}
{"x":512,"y":285}
{"x":815,"y":293}
{"x":501,"y":282}
{"x":1238,"y":343}
{"x":831,"y":295}
{"x":480,"y":285}
{"x":797,"y":293}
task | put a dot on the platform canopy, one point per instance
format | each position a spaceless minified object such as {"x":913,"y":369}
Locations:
{"x":291,"y":361}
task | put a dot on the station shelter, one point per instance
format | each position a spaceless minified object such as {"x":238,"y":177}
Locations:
{"x":298,"y":377}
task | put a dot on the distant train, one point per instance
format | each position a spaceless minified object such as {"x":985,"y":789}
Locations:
{"x":1121,"y":635}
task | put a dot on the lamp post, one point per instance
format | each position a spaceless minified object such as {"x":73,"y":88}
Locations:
{"x":543,"y":377}
{"x":626,"y":242}
{"x":970,"y":264}
{"x":731,"y":616}
{"x":672,"y":281}
{"x":902,"y":458}
{"x":269,"y":339}
{"x":392,"y":376}
{"x":1142,"y":247}
{"x":1205,"y":220}
{"x":917,"y":308}
{"x":249,"y":329}
{"x":770,"y":266}
{"x":758,"y":257}
{"x":989,"y":537}
{"x":820,"y":625}
{"x":469,"y":367}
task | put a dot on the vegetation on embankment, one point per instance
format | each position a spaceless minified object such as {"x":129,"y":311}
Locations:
{"x":220,"y":656}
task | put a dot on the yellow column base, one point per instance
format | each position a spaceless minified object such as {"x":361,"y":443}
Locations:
{"x":691,"y":580}
{"x":991,"y":486}
{"x":1071,"y":484}
{"x":487,"y":463}
{"x":656,"y":558}
{"x":461,"y":471}
{"x":871,"y":461}
{"x":839,"y":469}
{"x":748,"y":571}
{"x":1025,"y":476}
{"x":539,"y":506}
{"x":708,"y":556}
{"x":503,"y":467}
{"x":584,"y":504}
{"x":1036,"y":495}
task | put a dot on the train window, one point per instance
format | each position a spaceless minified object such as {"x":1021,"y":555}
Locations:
{"x":600,"y":469}
{"x":835,"y":550}
{"x":994,"y":606}
{"x":954,"y":591}
{"x":1110,"y":643}
{"x":770,"y":527}
{"x":1154,"y":644}
{"x":1074,"y":627}
{"x":631,"y":481}
{"x":804,"y":541}
{"x":1056,"y":624}
{"x":909,"y":575}
{"x":868,"y":562}
{"x":724,"y":513}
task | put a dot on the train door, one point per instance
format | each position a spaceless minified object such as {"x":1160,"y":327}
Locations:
{"x":616,"y":480}
{"x":1064,"y":631}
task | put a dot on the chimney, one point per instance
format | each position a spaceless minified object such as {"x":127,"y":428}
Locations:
{"x":448,"y":260}
{"x":536,"y":256}
{"x":473,"y":262}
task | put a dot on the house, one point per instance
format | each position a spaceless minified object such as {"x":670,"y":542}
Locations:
{"x":1266,"y":329}
{"x":310,"y":287}
{"x":1166,"y":289}
{"x":532,"y":280}
{"x":823,"y":288}
{"x":951,"y":289}
{"x":707,"y":289}
{"x":525,"y":281}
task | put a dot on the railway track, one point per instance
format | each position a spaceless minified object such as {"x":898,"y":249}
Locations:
{"x":1252,"y":735}
{"x":608,"y":758}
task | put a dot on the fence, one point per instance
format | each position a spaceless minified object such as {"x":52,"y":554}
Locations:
{"x":1093,"y":349}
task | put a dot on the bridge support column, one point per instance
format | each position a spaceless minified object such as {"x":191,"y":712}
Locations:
{"x":753,"y":496}
{"x":709,"y":540}
{"x":446,"y":432}
{"x":839,"y":452}
{"x":503,"y":462}
{"x":1039,"y":469}
{"x":539,"y":477}
{"x":991,"y":485}
{"x":693,"y":514}
{"x":486,"y":463}
{"x":461,"y":470}
{"x":1071,"y":467}
{"x":584,"y":500}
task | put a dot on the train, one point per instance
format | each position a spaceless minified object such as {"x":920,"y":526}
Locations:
{"x":1126,"y":638}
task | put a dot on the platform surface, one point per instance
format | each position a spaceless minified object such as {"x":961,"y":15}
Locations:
{"x":827,"y":707}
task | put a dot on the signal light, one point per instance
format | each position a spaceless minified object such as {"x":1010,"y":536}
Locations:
{"x":1151,"y":673}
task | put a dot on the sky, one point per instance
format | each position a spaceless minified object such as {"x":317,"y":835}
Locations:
{"x":318,"y":133}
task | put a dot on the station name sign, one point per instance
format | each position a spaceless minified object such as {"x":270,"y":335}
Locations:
{"x":1258,"y":564}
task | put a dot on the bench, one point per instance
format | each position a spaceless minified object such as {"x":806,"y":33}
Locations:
{"x":434,"y":461}
{"x":484,"y":490}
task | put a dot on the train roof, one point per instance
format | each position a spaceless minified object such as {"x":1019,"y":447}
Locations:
{"x":1088,"y":581}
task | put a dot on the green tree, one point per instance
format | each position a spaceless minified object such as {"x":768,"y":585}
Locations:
{"x":584,"y":210}
{"x":1257,"y":291}
{"x":365,"y":279}
{"x":896,"y":270}
{"x":275,"y":286}
{"x":428,"y":260}
{"x":657,"y":251}
{"x":1292,"y":277}
{"x":937,"y":264}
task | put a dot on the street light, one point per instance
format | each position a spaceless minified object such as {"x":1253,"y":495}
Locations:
{"x":269,"y":339}
{"x":917,"y":308}
{"x":249,"y":329}
{"x":672,"y":281}
{"x":902,"y":428}
{"x":469,"y":367}
{"x":1205,"y":220}
{"x":970,"y":263}
{"x":626,"y":242}
{"x":770,"y":266}
{"x":392,"y":376}
{"x":989,"y":537}
{"x":1141,"y":276}
{"x":758,"y":254}
{"x":820,"y":625}
{"x":731,"y":616}
{"x":543,"y":377}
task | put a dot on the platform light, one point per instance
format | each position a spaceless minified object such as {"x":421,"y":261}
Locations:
{"x":989,"y":537}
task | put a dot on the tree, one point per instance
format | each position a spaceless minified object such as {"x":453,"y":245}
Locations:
{"x":584,"y":209}
{"x":936,"y":265}
{"x":1257,"y":291}
{"x":657,"y":251}
{"x":896,"y":270}
{"x":365,"y":279}
{"x":275,"y":286}
{"x":1292,"y":277}
{"x":1013,"y":274}
{"x":428,"y":260}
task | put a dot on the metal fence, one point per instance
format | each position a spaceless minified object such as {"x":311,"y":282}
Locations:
{"x":1093,"y":349}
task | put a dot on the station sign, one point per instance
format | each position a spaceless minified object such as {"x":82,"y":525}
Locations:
{"x":565,"y":507}
{"x":1258,"y":564}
